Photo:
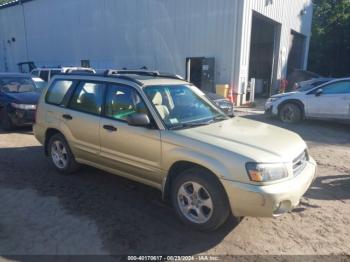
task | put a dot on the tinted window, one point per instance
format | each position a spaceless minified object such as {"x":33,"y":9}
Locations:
{"x":88,"y":98}
{"x":123,"y":101}
{"x":55,"y":72}
{"x":57,"y":91}
{"x":35,"y":73}
{"x":44,"y":75}
{"x":337,"y":88}
{"x":17,"y":85}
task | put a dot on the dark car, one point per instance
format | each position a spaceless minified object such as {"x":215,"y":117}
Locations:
{"x":223,"y":103}
{"x":18,"y":100}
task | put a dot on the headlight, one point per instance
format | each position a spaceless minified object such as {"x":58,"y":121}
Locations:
{"x":266,"y":172}
{"x":273,"y":99}
{"x":23,"y":106}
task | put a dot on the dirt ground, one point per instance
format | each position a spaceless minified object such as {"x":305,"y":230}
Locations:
{"x":92,"y":212}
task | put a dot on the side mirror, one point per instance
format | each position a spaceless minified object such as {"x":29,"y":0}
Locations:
{"x":319,"y":92}
{"x":141,"y":120}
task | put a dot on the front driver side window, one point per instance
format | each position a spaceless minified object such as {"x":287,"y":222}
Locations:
{"x":123,"y":101}
{"x":337,"y":88}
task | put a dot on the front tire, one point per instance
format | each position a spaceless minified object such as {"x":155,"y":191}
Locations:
{"x":199,"y":199}
{"x":61,"y":155}
{"x":290,"y":113}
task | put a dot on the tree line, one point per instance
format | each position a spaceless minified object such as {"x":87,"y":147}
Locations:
{"x":330,"y":42}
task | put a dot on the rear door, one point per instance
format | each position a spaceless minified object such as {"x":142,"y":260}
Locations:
{"x":332,"y":103}
{"x":81,"y":120}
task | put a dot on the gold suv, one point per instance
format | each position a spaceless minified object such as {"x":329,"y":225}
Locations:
{"x":164,"y":132}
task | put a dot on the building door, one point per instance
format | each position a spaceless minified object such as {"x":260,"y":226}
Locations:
{"x":263,"y":54}
{"x":200,"y":71}
{"x":297,"y":52}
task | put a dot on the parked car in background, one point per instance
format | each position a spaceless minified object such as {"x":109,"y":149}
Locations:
{"x":328,"y":101}
{"x":164,"y":132}
{"x":298,"y":76}
{"x":46,"y":73}
{"x":39,"y":83}
{"x":223,"y":103}
{"x":310,"y":84}
{"x":19,"y":96}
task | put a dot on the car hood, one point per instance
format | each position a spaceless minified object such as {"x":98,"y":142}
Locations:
{"x":30,"y":98}
{"x":252,"y":139}
{"x":285,"y":94}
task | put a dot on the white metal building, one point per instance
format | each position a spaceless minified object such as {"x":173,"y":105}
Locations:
{"x":262,"y":39}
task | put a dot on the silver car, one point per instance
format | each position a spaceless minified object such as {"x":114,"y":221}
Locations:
{"x":328,"y":101}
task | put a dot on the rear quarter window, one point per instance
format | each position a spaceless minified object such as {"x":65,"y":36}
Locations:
{"x":44,"y":75}
{"x":57,"y":91}
{"x":35,"y":73}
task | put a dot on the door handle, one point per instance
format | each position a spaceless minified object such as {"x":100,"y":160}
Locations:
{"x":110,"y":128}
{"x":67,"y":117}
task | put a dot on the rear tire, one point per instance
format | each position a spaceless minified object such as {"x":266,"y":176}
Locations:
{"x":61,"y":155}
{"x":5,"y":121}
{"x":199,"y":199}
{"x":290,"y":113}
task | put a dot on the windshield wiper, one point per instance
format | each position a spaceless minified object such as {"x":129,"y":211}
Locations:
{"x":190,"y":125}
{"x":220,"y":118}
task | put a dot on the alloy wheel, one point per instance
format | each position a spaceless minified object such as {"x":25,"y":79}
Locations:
{"x":59,"y":154}
{"x":195,"y":202}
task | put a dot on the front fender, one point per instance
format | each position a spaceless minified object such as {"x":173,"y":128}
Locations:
{"x":176,"y":155}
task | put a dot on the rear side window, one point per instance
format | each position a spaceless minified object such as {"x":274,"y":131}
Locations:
{"x":35,"y":73}
{"x":88,"y":98}
{"x":54,"y":72}
{"x":44,"y":75}
{"x":58,"y":91}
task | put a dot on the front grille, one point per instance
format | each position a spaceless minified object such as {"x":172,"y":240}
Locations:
{"x":300,"y":162}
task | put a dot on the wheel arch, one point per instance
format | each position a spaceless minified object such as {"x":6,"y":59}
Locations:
{"x":297,"y":102}
{"x":176,"y":169}
{"x":48,"y":134}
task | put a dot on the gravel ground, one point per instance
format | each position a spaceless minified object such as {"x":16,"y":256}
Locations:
{"x":93,"y":212}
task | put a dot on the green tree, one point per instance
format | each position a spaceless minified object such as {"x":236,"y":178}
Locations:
{"x":330,"y":42}
{"x":4,"y":1}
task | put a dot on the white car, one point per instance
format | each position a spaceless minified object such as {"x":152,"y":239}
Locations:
{"x":329,"y":101}
{"x":46,"y":73}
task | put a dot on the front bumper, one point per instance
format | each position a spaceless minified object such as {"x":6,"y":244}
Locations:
{"x":21,"y":117}
{"x":270,"y":109}
{"x":271,"y":200}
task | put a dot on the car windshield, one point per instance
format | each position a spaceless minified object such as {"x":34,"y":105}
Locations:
{"x":40,"y":84}
{"x":183,"y":106}
{"x":312,"y":85}
{"x":17,"y":85}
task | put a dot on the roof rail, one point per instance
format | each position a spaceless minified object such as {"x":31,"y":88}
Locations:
{"x":131,"y":72}
{"x":78,"y":72}
{"x":112,"y":72}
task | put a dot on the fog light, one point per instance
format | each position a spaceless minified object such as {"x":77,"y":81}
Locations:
{"x":283,"y":207}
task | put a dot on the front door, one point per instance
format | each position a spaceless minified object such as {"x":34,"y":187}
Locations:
{"x":134,"y":152}
{"x":333,"y":102}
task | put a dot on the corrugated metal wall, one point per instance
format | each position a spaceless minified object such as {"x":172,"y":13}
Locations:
{"x":159,"y":34}
{"x":288,"y":14}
